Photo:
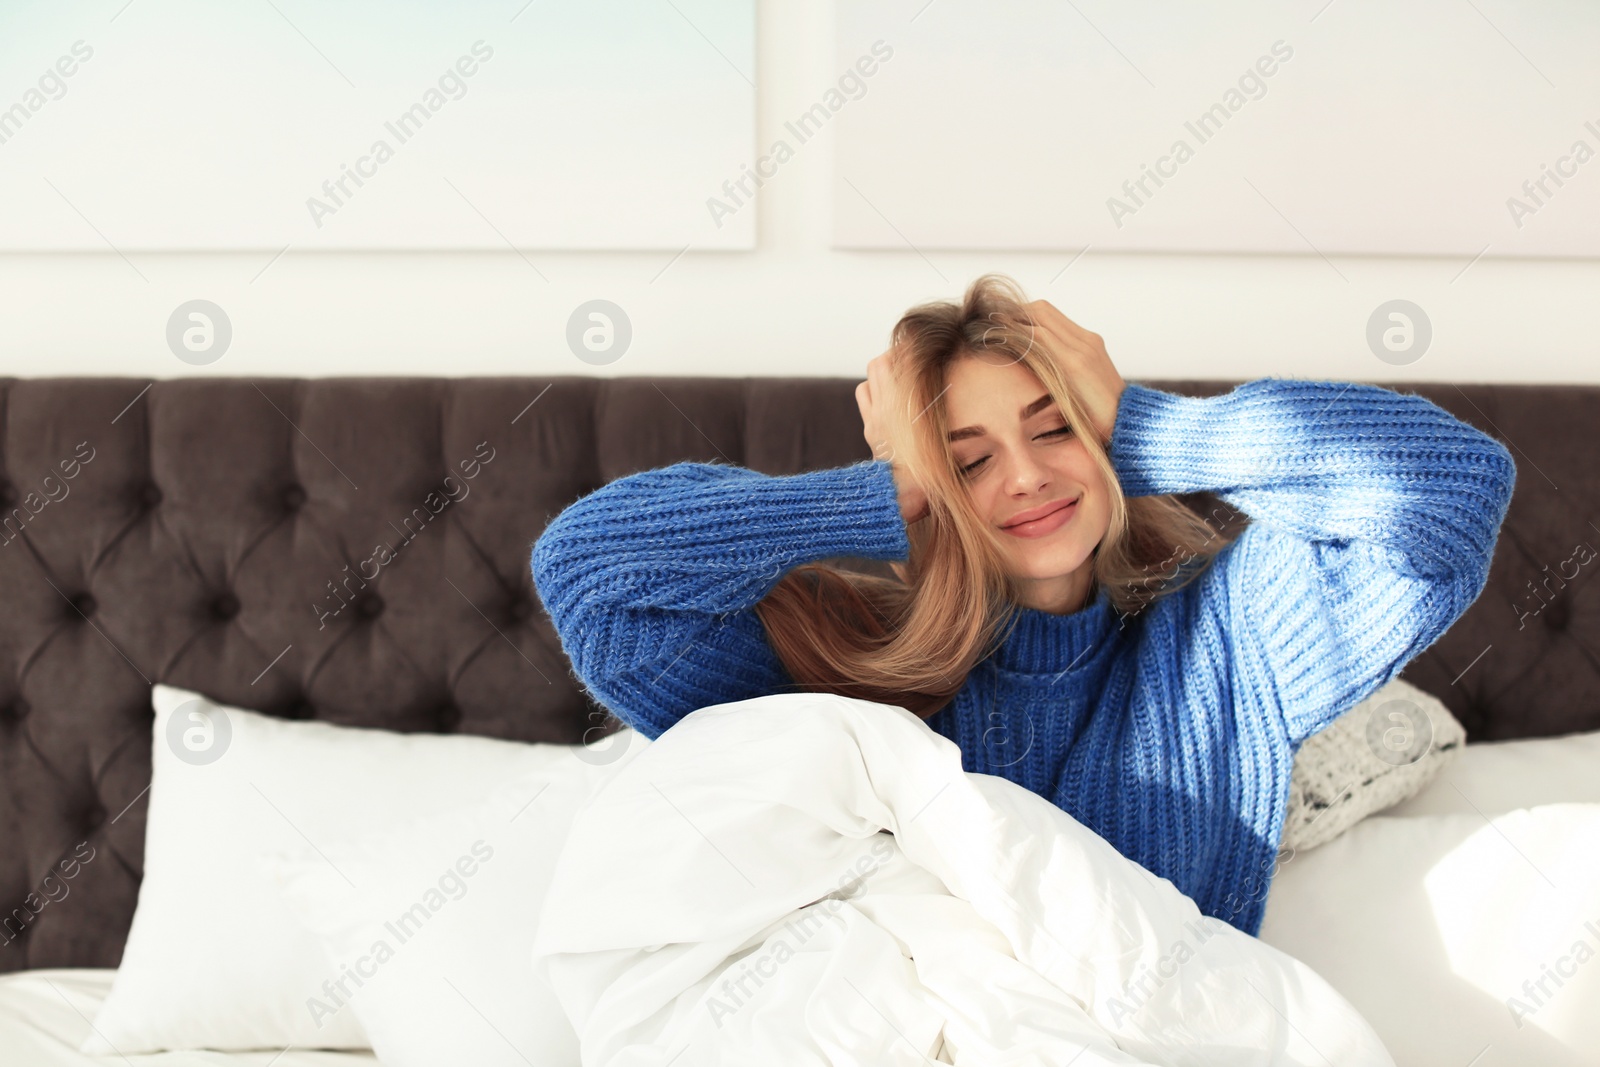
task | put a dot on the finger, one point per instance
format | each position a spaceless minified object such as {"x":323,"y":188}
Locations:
{"x":1058,"y":342}
{"x":1044,"y":326}
{"x":1057,"y":322}
{"x":1048,"y":313}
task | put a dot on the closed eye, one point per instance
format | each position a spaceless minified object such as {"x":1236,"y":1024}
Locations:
{"x":972,"y":467}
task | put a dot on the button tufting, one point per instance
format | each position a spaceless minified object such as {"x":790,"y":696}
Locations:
{"x":150,"y":494}
{"x":294,"y":497}
{"x":520,"y":608}
{"x":225,"y":606}
{"x":447,"y":718}
{"x":300,"y":709}
{"x":8,"y":494}
{"x":83,"y":606}
{"x":369,"y":605}
{"x":94,"y":817}
{"x":1557,"y":615}
{"x":18,"y":710}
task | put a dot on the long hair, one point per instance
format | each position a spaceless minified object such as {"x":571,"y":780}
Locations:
{"x":912,"y":639}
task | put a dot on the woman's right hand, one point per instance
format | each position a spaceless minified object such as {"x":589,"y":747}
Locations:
{"x":881,"y":399}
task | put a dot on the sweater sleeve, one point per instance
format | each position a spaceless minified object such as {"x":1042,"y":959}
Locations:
{"x":651,"y":580}
{"x":1374,"y":516}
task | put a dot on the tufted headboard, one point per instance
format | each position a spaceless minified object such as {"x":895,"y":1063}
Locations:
{"x":194,"y":531}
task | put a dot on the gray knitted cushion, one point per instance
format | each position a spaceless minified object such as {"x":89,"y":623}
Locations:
{"x":1383,"y":750}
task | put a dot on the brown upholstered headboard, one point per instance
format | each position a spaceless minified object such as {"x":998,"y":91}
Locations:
{"x":205,"y":524}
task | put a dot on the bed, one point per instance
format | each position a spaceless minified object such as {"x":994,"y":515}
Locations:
{"x":207,"y":533}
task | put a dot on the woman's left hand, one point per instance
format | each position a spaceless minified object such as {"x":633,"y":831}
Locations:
{"x":1082,"y":356}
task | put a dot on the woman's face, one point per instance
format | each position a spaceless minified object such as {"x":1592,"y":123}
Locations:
{"x":1020,"y":462}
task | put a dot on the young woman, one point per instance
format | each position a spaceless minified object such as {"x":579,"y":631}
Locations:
{"x":1056,"y":612}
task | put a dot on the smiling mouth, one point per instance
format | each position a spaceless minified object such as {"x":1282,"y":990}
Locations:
{"x":1045,"y":523}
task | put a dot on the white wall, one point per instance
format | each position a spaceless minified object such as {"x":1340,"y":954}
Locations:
{"x":794,"y":307}
{"x":1233,"y":126}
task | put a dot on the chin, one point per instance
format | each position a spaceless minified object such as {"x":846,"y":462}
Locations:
{"x":1049,"y":562}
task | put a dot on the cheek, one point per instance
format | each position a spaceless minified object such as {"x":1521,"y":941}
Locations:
{"x":1080,"y":468}
{"x":1102,"y":517}
{"x":990,"y":504}
{"x":1075,"y":460}
{"x":1102,"y":502}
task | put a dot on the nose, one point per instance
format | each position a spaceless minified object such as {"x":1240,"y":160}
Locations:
{"x":1025,"y":474}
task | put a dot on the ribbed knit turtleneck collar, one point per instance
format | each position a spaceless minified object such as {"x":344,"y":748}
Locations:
{"x":1043,"y":643}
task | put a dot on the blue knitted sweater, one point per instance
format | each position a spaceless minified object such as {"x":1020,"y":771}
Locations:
{"x":1171,"y":732}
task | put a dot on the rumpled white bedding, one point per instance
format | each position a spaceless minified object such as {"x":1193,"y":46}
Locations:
{"x":730,"y":897}
{"x":45,"y":1015}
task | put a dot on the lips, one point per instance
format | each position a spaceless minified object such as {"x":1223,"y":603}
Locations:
{"x":1038,"y":513}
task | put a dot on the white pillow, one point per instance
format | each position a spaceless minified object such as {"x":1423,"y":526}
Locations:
{"x":1494,"y":777}
{"x":215,"y":958}
{"x":1383,"y":750}
{"x":429,"y":926}
{"x":45,"y":1013}
{"x":1440,"y":930}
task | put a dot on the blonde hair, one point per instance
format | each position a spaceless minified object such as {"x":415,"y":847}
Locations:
{"x":911,"y":640}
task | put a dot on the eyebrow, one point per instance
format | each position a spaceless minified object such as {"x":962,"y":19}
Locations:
{"x":1023,"y":416}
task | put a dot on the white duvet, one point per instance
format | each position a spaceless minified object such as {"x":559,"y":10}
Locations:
{"x":808,"y":879}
